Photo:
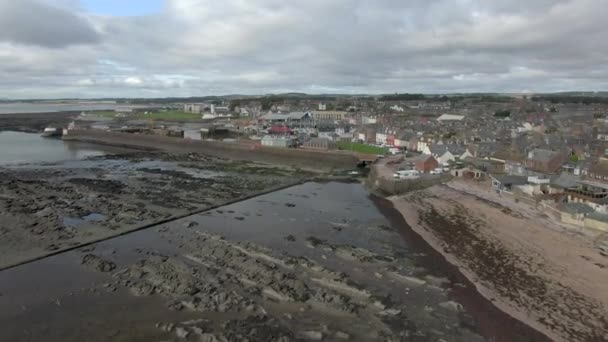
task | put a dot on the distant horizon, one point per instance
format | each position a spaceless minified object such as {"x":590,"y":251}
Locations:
{"x":571,"y":93}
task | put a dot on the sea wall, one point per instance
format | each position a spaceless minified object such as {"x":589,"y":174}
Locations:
{"x":391,"y":187}
{"x":304,"y":159}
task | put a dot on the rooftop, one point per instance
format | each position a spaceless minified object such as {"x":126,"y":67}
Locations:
{"x":509,"y":179}
{"x":542,"y":155}
{"x":450,"y":117}
{"x":577,"y":208}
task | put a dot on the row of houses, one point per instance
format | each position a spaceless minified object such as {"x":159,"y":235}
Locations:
{"x":303,"y":118}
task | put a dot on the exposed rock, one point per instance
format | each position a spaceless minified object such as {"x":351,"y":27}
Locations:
{"x":342,"y":335}
{"x":312,"y":335}
{"x":98,"y":263}
{"x":181,"y":332}
{"x":190,"y":224}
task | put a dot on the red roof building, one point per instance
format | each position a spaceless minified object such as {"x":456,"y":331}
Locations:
{"x":280,"y":130}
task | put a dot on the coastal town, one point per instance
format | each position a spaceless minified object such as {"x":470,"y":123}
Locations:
{"x":552,"y":150}
{"x":511,"y":190}
{"x":302,"y":171}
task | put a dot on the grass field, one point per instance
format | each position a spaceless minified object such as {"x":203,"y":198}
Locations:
{"x":362,"y":148}
{"x":175,"y":115}
{"x":170,"y":115}
{"x":103,"y":114}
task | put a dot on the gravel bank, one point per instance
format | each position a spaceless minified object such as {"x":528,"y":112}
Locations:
{"x":548,"y":278}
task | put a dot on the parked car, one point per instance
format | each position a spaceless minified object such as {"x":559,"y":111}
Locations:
{"x":437,"y":171}
{"x":407,"y":174}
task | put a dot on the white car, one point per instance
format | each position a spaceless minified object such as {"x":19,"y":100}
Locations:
{"x":409,"y":174}
{"x":437,"y":171}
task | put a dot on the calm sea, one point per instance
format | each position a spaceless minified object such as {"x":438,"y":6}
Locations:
{"x":9,"y":108}
{"x":25,"y":148}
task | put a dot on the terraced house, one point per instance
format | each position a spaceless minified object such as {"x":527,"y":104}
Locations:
{"x":320,"y":116}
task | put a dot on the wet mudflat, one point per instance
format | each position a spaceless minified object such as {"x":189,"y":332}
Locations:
{"x":45,"y":208}
{"x":311,"y":262}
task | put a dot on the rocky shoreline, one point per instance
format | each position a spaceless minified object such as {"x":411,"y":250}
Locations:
{"x":46,"y":209}
{"x":511,"y":259}
{"x":35,"y":122}
{"x":273,"y":268}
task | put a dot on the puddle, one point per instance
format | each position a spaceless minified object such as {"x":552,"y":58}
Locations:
{"x":94,"y":217}
{"x":74,"y":222}
{"x":340,"y":215}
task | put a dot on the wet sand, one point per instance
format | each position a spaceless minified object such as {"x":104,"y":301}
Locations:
{"x":493,"y":323}
{"x":550,"y":279}
{"x":317,"y":261}
{"x":49,"y":208}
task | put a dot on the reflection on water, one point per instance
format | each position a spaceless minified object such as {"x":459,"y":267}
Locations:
{"x":20,"y":148}
{"x":6,"y":108}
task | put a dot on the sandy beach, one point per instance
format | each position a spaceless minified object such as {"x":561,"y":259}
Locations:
{"x":537,"y":271}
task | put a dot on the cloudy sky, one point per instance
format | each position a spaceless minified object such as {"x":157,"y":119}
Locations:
{"x":158,"y":48}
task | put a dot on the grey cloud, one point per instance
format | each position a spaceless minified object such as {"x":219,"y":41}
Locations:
{"x":33,"y":22}
{"x":199,"y":47}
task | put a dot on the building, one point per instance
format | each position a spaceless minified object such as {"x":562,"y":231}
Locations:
{"x":277,"y":141}
{"x":450,"y":117}
{"x":369,"y":120}
{"x":515,"y":168}
{"x":219,"y":110}
{"x":594,"y":194}
{"x":280,"y":130}
{"x":469,"y":173}
{"x":508,"y":154}
{"x":294,"y":118}
{"x":381,"y":138}
{"x":507,"y":183}
{"x":403,"y":140}
{"x":426,"y":164}
{"x":545,"y":161}
{"x":197,"y":108}
{"x":370,"y":135}
{"x":397,"y":108}
{"x":322,"y":106}
{"x":320,"y":116}
{"x":446,"y":153}
{"x":320,"y":144}
{"x":598,"y":171}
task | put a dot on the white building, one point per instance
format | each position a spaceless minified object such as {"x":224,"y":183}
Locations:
{"x":194,"y":107}
{"x":445,"y":154}
{"x":396,"y":108}
{"x":450,"y":117}
{"x":368,"y":120}
{"x":277,"y":141}
{"x":381,"y":138}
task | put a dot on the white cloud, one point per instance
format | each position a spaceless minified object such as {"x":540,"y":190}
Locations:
{"x":134,"y":81}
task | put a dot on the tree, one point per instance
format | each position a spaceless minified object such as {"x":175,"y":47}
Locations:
{"x":502,"y":113}
{"x":266,"y":103}
{"x":403,"y":97}
{"x":574,"y":158}
{"x":234,"y":104}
